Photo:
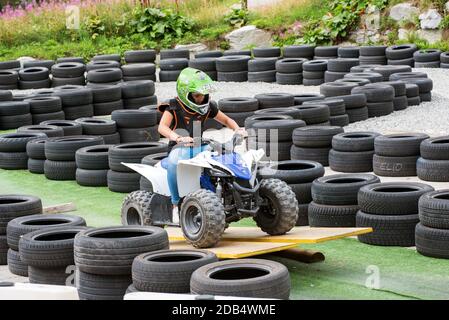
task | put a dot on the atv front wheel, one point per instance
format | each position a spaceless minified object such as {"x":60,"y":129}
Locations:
{"x":202,"y":218}
{"x":280,"y":213}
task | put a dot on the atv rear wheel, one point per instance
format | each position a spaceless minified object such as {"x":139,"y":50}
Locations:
{"x":280,"y":213}
{"x":202,"y":218}
{"x":135,"y":208}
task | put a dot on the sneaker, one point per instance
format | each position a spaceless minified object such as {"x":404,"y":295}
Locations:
{"x":175,"y":216}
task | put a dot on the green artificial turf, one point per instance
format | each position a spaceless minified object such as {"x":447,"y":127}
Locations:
{"x":404,"y":274}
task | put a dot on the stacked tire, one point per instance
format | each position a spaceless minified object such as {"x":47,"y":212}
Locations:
{"x":38,"y":63}
{"x":14,"y":114}
{"x":105,"y":76}
{"x":205,"y":64}
{"x":337,"y":110}
{"x":120,"y":178}
{"x":9,"y":79}
{"x":60,"y":154}
{"x":136,"y":125}
{"x":36,"y":155}
{"x":69,"y":127}
{"x":49,"y":131}
{"x":444,"y":60}
{"x":379,"y":98}
{"x":313,"y":143}
{"x":401,"y":54}
{"x":102,"y":64}
{"x":313,"y":72}
{"x":299,"y":175}
{"x":352,"y":152}
{"x":302,"y":51}
{"x":433,"y":165}
{"x":13,"y":154}
{"x":45,"y":108}
{"x":326,"y":53}
{"x":412,"y":93}
{"x":349,"y":52}
{"x":314,"y":114}
{"x":275,"y":100}
{"x":373,"y":55}
{"x":138,"y":93}
{"x":76,"y":101}
{"x":388,"y":70}
{"x":289,"y":71}
{"x":267,"y":52}
{"x":107,"y":129}
{"x":106,"y":99}
{"x":139,"y":65}
{"x":71,"y":73}
{"x":427,"y":58}
{"x":396,"y":154}
{"x":262,"y":69}
{"x":232,"y":68}
{"x":140,"y":56}
{"x":400,"y":100}
{"x":335,"y":199}
{"x":104,"y":258}
{"x":171,"y":68}
{"x":239,"y":108}
{"x":431,"y":234}
{"x":338,"y":68}
{"x":391,"y":209}
{"x":19,"y":227}
{"x":34,"y":78}
{"x":425,"y":85}
{"x":356,"y":107}
{"x":92,"y":165}
{"x":11,"y":207}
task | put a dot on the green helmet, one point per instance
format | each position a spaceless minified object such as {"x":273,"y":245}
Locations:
{"x":190,"y":81}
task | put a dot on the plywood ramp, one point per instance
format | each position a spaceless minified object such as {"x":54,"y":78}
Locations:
{"x":297,"y":235}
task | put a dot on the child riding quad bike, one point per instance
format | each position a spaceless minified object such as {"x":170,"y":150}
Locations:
{"x":209,"y":183}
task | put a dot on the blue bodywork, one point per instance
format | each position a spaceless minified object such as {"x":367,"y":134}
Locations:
{"x":234,"y":162}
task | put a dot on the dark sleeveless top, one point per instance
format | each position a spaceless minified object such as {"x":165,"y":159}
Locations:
{"x":186,"y":120}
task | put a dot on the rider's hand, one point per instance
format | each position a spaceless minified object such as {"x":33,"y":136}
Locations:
{"x":184,"y":140}
{"x":241,"y":131}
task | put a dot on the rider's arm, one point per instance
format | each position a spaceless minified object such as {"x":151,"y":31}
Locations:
{"x":226,"y":121}
{"x":164,"y":127}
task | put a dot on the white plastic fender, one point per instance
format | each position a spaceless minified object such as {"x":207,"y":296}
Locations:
{"x":28,"y":291}
{"x":189,"y":173}
{"x":155,"y":174}
{"x":174,"y":296}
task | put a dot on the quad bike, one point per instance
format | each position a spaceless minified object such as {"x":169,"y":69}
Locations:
{"x":216,"y":188}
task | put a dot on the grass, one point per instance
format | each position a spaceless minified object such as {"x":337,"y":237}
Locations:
{"x":404,"y":274}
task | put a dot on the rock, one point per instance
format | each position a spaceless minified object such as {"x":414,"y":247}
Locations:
{"x":371,"y":20}
{"x":248,"y":36}
{"x":261,"y":3}
{"x":24,"y":59}
{"x":194,"y":47}
{"x":403,"y":11}
{"x":432,"y":36}
{"x":430,"y":19}
{"x":446,"y":6}
{"x":403,"y":34}
{"x":365,"y":36}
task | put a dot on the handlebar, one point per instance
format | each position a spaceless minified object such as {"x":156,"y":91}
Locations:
{"x":236,"y":140}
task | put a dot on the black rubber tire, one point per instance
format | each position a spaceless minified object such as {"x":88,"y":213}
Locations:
{"x":94,"y":126}
{"x":174,"y":54}
{"x":349,"y":52}
{"x":140,"y":56}
{"x":408,"y":75}
{"x":425,"y":97}
{"x":433,"y":210}
{"x":15,"y":265}
{"x":137,"y":89}
{"x":336,"y":105}
{"x":73,"y":96}
{"x":68,"y":70}
{"x":313,"y":75}
{"x":167,"y":76}
{"x":400,"y":103}
{"x":203,"y":64}
{"x":105,"y":93}
{"x":366,"y":66}
{"x":314,"y":114}
{"x":239,"y":76}
{"x":262,"y":64}
{"x":340,"y":121}
{"x":284,"y":129}
{"x":357,"y":114}
{"x":331,"y":76}
{"x":111,"y":250}
{"x":33,"y":74}
{"x":403,"y":51}
{"x":101,"y":287}
{"x":5,"y":95}
{"x":354,"y":101}
{"x":13,"y":160}
{"x":290,"y":65}
{"x":36,"y":166}
{"x":64,"y":148}
{"x":303,"y":218}
{"x":315,"y":136}
{"x":235,"y":63}
{"x":315,"y":65}
{"x":320,"y":155}
{"x":414,"y":101}
{"x":49,"y":248}
{"x":104,"y":75}
{"x":70,"y":128}
{"x":129,"y":135}
{"x":372,"y":50}
{"x":11,"y":64}
{"x":435,"y":148}
{"x":209,"y":54}
{"x":331,"y":216}
{"x":138,"y":70}
{"x":333,"y":89}
{"x":432,"y":64}
{"x":3,"y":251}
{"x":70,"y":59}
{"x":275,"y":100}
{"x":388,"y":70}
{"x":49,"y":276}
{"x":379,"y":109}
{"x":399,"y":145}
{"x":123,"y":182}
{"x":312,"y":82}
{"x":395,"y":166}
{"x":300,"y":99}
{"x":136,"y":103}
{"x":326,"y":51}
{"x":49,"y":131}
{"x":266,"y":52}
{"x":392,"y":198}
{"x":351,"y":162}
{"x":102,"y":64}
{"x":108,"y":57}
{"x":398,"y":86}
{"x":152,"y":159}
{"x":340,"y":189}
{"x":151,"y":77}
{"x":239,"y":104}
{"x":14,"y":122}
{"x":342,"y":64}
{"x":132,"y":153}
{"x":444,"y":57}
{"x":17,"y":142}
{"x":299,"y":51}
{"x":93,"y":157}
{"x":388,"y":230}
{"x":60,"y":170}
{"x":425,"y":85}
{"x":289,"y":78}
{"x":36,"y":221}
{"x":376,"y":92}
{"x":168,"y":271}
{"x":134,"y":118}
{"x":92,"y":178}
{"x":271,"y":279}
{"x":262,"y":76}
{"x":292,"y":171}
{"x":432,"y":170}
{"x":371,"y":76}
{"x":432,"y":242}
{"x":354,"y":141}
{"x":106,"y":108}
{"x":39,"y":118}
{"x":303,"y":193}
{"x":39,"y":105}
